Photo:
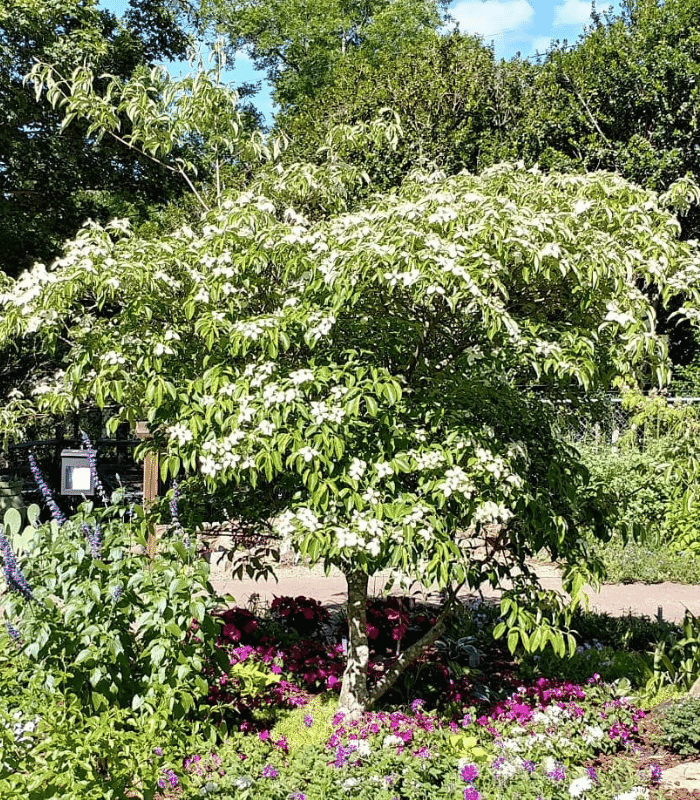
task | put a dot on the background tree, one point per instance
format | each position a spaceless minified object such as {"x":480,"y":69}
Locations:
{"x":50,"y":183}
{"x":299,"y":42}
{"x":457,"y":106}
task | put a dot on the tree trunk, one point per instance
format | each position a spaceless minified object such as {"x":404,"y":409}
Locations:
{"x":353,"y":693}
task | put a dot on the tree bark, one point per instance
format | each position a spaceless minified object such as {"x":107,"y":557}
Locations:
{"x":353,"y":693}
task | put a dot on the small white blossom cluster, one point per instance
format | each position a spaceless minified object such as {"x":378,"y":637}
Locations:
{"x":490,"y":513}
{"x":357,"y":469}
{"x":221,"y":455}
{"x":273,"y":395}
{"x":615,"y":314}
{"x":53,"y":384}
{"x":593,"y":734}
{"x":113,"y":359}
{"x":405,"y":278}
{"x":321,"y":326}
{"x":301,"y":376}
{"x":28,"y":286}
{"x":168,"y":280}
{"x":259,"y":373}
{"x":428,"y":459}
{"x":457,"y":482}
{"x":322,"y":411}
{"x":254,"y":328}
{"x":580,"y":786}
{"x":364,"y":533}
{"x":180,"y":433}
{"x":635,"y":793}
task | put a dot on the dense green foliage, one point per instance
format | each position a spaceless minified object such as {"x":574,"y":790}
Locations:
{"x":299,"y":44}
{"x":371,"y":370}
{"x":50,"y":183}
{"x":681,"y":726}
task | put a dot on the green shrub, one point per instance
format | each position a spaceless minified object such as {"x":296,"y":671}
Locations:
{"x":106,"y":655}
{"x":680,"y":726}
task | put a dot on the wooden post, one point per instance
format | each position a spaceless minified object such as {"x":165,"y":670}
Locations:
{"x":150,"y":484}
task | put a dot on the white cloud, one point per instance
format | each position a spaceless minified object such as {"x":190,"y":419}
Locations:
{"x":492,"y":18}
{"x":575,"y":12}
{"x":540,"y":44}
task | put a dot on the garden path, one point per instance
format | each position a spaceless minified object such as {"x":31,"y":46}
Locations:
{"x":670,"y":599}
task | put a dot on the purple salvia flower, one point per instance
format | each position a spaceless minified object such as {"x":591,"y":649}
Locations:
{"x":13,"y":574}
{"x":656,"y":773}
{"x":92,"y":461}
{"x":174,"y":513}
{"x":13,"y":633}
{"x":94,"y":537}
{"x":58,"y":516}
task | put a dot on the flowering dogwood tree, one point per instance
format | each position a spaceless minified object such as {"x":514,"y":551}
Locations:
{"x":387,"y":371}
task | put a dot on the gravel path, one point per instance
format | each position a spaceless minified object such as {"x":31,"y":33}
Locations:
{"x":669,"y":599}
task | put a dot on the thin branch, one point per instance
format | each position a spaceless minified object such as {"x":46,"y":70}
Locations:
{"x":588,"y":111}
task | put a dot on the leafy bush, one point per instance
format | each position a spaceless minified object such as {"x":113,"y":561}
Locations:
{"x":677,"y":655}
{"x":112,"y":648}
{"x":303,"y":614}
{"x":680,"y":726}
{"x":639,"y":481}
{"x":634,"y":562}
{"x":109,"y":624}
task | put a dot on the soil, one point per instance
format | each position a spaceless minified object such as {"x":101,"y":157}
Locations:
{"x":649,"y":751}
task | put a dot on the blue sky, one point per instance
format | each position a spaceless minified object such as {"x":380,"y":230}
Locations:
{"x":513,"y":26}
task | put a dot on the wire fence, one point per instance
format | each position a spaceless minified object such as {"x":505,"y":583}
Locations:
{"x":607,"y":423}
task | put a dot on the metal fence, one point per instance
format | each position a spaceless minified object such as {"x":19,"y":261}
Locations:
{"x":606,"y":422}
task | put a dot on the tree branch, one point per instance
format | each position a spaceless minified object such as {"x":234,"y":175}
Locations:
{"x":412,"y":653}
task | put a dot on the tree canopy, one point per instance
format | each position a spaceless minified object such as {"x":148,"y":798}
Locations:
{"x":375,"y":383}
{"x":299,"y":42}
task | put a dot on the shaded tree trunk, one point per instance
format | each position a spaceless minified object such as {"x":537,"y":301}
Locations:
{"x":353,"y":693}
{"x":355,"y":696}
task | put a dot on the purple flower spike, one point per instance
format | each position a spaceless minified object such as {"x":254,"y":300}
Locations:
{"x":58,"y":516}
{"x":14,"y":578}
{"x":174,"y":511}
{"x":94,"y":537}
{"x":656,"y":773}
{"x":13,"y":633}
{"x":270,"y":772}
{"x":92,"y":461}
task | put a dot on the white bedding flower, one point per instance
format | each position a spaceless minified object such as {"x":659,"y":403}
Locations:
{"x":579,"y":786}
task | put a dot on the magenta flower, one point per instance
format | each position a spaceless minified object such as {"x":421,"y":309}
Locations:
{"x":270,"y":772}
{"x":470,"y":793}
{"x":469,"y":773}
